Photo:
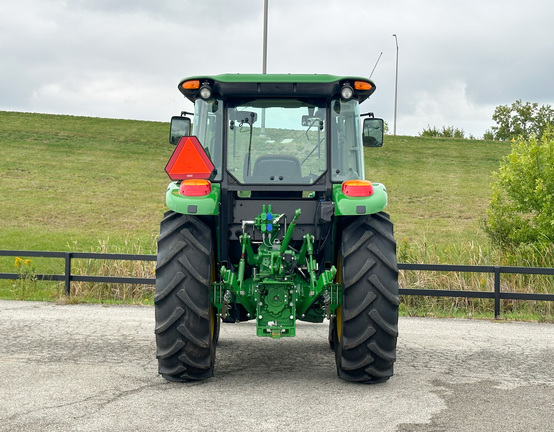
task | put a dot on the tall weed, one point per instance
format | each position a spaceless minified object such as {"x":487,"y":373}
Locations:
{"x":121,"y":292}
{"x":476,"y":255}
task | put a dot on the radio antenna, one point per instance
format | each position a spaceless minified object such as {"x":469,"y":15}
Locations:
{"x":379,"y":58}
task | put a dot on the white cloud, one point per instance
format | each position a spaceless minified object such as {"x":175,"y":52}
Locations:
{"x":447,"y":106}
{"x":457,"y":59}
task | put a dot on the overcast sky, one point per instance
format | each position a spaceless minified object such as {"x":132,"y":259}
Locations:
{"x":458,"y":60}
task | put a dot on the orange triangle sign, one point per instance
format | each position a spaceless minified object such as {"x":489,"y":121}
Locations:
{"x":189,"y":161}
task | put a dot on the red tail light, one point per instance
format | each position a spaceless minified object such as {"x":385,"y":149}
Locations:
{"x":195,"y":187}
{"x":357,"y":188}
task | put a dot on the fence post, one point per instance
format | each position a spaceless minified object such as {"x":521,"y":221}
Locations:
{"x":68,"y":273}
{"x":496,"y":292}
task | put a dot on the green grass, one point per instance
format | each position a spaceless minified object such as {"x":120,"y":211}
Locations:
{"x":438,"y":187}
{"x":74,"y":183}
{"x":68,"y":182}
{"x":81,"y":184}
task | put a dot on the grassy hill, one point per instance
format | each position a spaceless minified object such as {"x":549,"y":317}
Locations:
{"x":75,"y":182}
{"x":438,"y":187}
{"x":82,"y":184}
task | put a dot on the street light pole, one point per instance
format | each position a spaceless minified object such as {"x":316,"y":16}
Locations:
{"x":264,"y":65}
{"x":395,"y":85}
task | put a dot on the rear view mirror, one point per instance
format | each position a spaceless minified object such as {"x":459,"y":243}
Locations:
{"x":180,"y":127}
{"x":373,"y":132}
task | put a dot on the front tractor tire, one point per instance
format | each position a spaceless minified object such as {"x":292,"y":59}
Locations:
{"x":365,"y":329}
{"x":186,"y":322}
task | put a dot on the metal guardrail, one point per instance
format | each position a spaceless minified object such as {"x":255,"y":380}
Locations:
{"x":496,"y":294}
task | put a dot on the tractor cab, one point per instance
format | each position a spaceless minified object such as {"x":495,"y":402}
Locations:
{"x":282,"y":135}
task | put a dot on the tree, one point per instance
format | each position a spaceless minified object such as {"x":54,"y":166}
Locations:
{"x":521,"y":119}
{"x":521,"y":209}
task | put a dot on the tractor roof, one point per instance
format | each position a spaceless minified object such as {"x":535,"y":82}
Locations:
{"x":276,"y":85}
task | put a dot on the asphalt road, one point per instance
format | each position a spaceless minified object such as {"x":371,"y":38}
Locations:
{"x":92,"y":368}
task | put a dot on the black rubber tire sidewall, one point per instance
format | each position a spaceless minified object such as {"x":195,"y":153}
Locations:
{"x":185,"y":325}
{"x":366,"y":347}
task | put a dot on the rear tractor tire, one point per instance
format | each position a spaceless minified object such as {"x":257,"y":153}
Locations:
{"x":365,"y":329}
{"x":187,"y":325}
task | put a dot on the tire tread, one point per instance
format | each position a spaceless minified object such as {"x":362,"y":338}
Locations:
{"x":185,"y":346}
{"x":366,"y":349}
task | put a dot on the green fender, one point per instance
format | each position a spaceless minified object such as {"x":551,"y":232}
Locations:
{"x":197,"y":205}
{"x":354,"y":206}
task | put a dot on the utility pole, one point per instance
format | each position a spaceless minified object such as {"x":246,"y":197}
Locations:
{"x":264,"y":66}
{"x":395,"y":85}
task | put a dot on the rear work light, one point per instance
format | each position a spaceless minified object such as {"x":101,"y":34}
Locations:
{"x":346,"y":92}
{"x":357,"y":188}
{"x":205,"y":91}
{"x":195,"y":187}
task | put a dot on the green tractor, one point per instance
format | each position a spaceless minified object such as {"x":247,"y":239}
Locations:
{"x":271,"y":220}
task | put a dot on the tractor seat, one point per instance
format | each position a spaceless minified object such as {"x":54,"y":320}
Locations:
{"x":276,"y":168}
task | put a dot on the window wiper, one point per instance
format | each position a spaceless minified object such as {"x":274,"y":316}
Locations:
{"x":313,"y":122}
{"x":252,"y":119}
{"x":319,"y":140}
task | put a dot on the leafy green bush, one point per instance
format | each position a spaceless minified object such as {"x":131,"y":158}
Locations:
{"x":445,"y":132}
{"x":488,"y":135}
{"x":521,"y":208}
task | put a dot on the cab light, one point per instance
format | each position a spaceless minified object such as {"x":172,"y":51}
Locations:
{"x":362,"y":85}
{"x":195,"y":187}
{"x":357,"y":188}
{"x":205,"y":92}
{"x":191,"y":85}
{"x":346,"y":92}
